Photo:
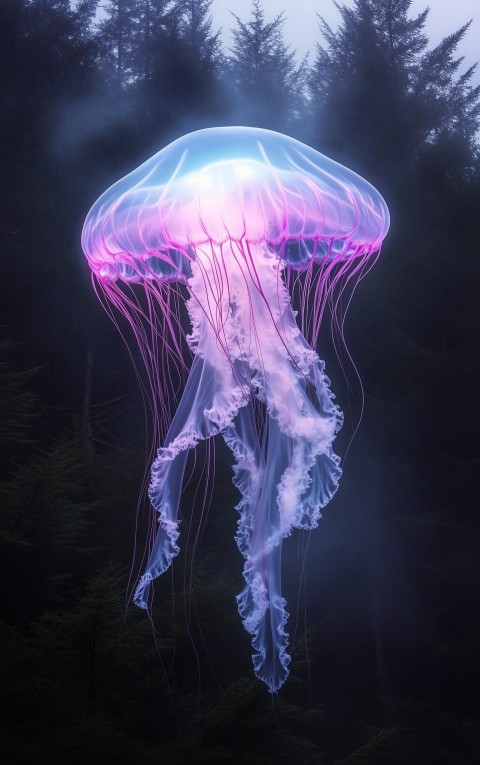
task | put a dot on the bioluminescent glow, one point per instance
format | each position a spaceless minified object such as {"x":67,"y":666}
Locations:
{"x":237,"y":220}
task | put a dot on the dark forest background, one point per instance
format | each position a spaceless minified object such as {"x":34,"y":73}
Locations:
{"x":385,"y":622}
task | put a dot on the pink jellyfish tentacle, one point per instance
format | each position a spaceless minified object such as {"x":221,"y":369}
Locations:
{"x":280,"y":491}
{"x":246,"y":341}
{"x":167,"y":473}
{"x":204,"y":410}
{"x":212,"y":396}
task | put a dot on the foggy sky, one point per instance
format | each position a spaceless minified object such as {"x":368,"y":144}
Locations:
{"x":301,"y":26}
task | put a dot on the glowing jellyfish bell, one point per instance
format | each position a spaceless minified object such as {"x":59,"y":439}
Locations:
{"x":239,"y":216}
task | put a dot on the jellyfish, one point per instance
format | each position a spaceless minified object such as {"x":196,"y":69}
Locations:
{"x":201,"y":248}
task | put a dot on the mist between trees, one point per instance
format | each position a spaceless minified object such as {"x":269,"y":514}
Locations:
{"x":387,"y":669}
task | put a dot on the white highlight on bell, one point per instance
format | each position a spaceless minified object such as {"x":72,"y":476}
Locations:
{"x":247,"y":171}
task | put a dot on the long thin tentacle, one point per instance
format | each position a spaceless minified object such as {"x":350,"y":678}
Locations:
{"x":207,"y":404}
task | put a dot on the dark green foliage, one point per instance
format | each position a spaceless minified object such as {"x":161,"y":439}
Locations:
{"x":58,"y":674}
{"x":43,"y":498}
{"x":18,"y":406}
{"x":385,"y":666}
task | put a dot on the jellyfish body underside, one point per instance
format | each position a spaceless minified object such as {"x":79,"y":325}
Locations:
{"x":247,"y":346}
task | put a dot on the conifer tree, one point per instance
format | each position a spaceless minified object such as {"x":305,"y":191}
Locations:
{"x":378,"y":91}
{"x":199,"y":41}
{"x":116,"y":35}
{"x":157,"y":37}
{"x":268,"y":83}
